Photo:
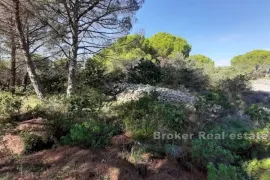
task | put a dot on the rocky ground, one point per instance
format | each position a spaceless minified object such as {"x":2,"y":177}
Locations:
{"x":134,"y":91}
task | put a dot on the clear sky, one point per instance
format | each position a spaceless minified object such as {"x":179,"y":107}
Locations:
{"x":219,"y":29}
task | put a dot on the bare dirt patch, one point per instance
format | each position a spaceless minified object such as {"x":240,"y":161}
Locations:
{"x":76,"y":163}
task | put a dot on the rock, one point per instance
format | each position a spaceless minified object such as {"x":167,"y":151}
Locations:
{"x":12,"y":144}
{"x":135,"y":91}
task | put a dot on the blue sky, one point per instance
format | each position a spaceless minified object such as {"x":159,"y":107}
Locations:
{"x":219,"y":29}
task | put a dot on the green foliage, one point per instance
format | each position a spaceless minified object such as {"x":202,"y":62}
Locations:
{"x":147,"y":115}
{"x":205,"y":151}
{"x":117,"y":75}
{"x":89,"y":101}
{"x":167,"y":45}
{"x":258,"y":169}
{"x":223,"y":172}
{"x":146,"y":72}
{"x":32,"y":142}
{"x":257,"y":60}
{"x":212,"y":104}
{"x":178,"y":73}
{"x":4,"y":74}
{"x":259,"y":115}
{"x":222,"y":73}
{"x":220,"y":149}
{"x":91,"y":133}
{"x":62,"y":122}
{"x":9,"y":105}
{"x":202,"y":61}
{"x":53,"y":75}
{"x":235,"y":87}
{"x":93,"y":75}
{"x":54,"y":80}
{"x":124,"y":51}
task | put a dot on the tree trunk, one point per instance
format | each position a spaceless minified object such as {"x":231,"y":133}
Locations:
{"x":25,"y":46}
{"x":25,"y":82}
{"x":72,"y":68}
{"x":13,"y":65}
{"x":73,"y":60}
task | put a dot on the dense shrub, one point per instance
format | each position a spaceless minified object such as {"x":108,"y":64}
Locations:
{"x":4,"y":74}
{"x":93,"y":75}
{"x":235,"y":87}
{"x":53,"y":81}
{"x":9,"y":105}
{"x":178,"y":74}
{"x":258,"y":169}
{"x":116,"y":76}
{"x":52,"y":74}
{"x":224,"y":172}
{"x":205,"y":151}
{"x":221,"y":150}
{"x":33,"y":142}
{"x":145,"y":72}
{"x":91,"y":133}
{"x":212,"y":105}
{"x":147,"y":115}
{"x":89,"y":101}
{"x":261,"y":146}
{"x":257,"y":97}
{"x":259,"y":115}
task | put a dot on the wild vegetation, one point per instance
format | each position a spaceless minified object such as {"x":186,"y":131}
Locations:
{"x":68,"y":63}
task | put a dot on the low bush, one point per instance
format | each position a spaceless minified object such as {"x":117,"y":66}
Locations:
{"x":259,"y":115}
{"x":33,"y":142}
{"x":91,"y":133}
{"x":235,"y":87}
{"x":221,"y":148}
{"x":89,"y":101}
{"x":224,"y":172}
{"x":261,"y":146}
{"x":9,"y":106}
{"x":212,"y":105}
{"x":147,"y":115}
{"x":205,"y":151}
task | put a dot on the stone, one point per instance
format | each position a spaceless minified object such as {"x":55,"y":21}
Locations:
{"x":135,"y":91}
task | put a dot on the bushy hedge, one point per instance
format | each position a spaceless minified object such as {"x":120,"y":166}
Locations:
{"x":91,"y":133}
{"x":218,"y":150}
{"x":145,"y":72}
{"x":178,"y":75}
{"x":147,"y":115}
{"x":224,"y":172}
{"x":9,"y":105}
{"x":258,"y":169}
{"x":259,"y":115}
